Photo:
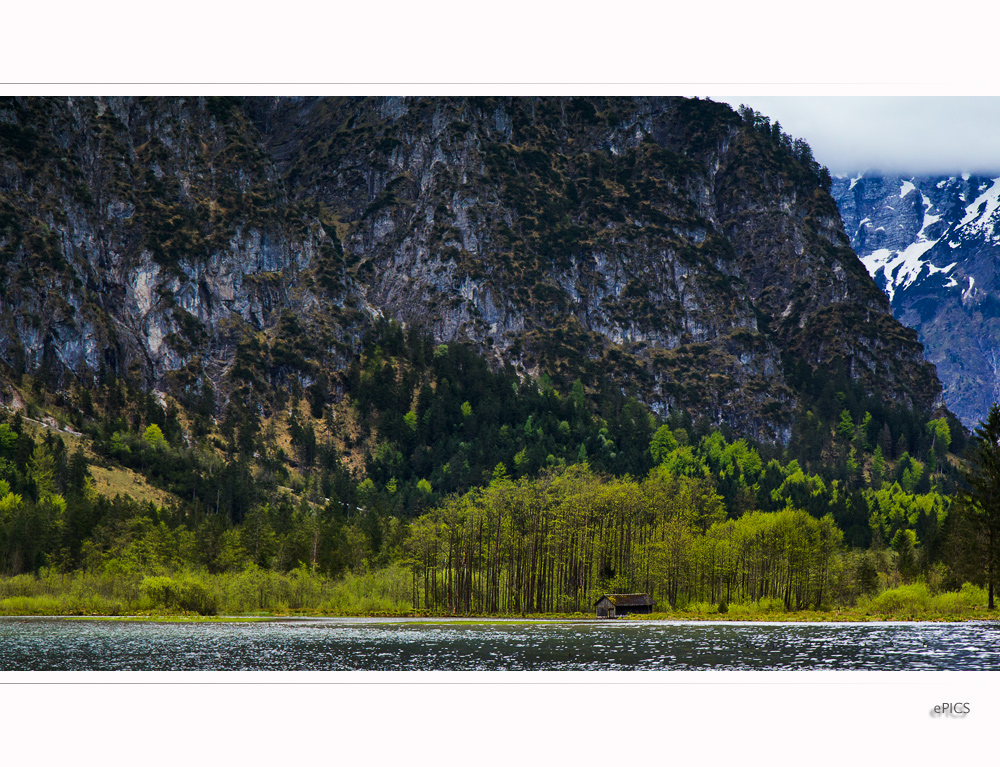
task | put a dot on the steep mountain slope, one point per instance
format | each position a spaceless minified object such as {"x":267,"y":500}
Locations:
{"x":932,"y":243}
{"x":687,"y":251}
{"x":148,"y":237}
{"x":669,"y":247}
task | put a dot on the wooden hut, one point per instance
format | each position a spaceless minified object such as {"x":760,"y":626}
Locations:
{"x":617,"y":605}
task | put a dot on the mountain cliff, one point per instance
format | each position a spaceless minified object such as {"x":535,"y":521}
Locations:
{"x":668,"y":247}
{"x":932,"y":244}
{"x":690,"y":250}
{"x":147,"y":237}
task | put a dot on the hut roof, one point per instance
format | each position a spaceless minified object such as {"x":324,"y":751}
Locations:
{"x":629,"y":600}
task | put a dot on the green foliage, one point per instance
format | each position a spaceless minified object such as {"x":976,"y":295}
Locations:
{"x":891,"y":509}
{"x":410,"y":419}
{"x":8,"y":438}
{"x":902,"y":601}
{"x":10,"y":503}
{"x":154,"y":437}
{"x":682,"y":461}
{"x":909,"y":472}
{"x":712,"y":524}
{"x":251,"y":590}
{"x":979,"y":501}
{"x":845,"y":428}
{"x":970,"y":597}
{"x":663,"y":443}
{"x":690,"y":553}
{"x":42,"y":470}
{"x":919,"y":601}
{"x":188,"y":595}
{"x":878,"y":467}
{"x":941,"y":433}
{"x":442,"y":415}
{"x":387,"y":591}
{"x":904,"y":543}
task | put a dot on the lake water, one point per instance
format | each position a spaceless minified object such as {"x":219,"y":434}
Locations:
{"x":400,"y":645}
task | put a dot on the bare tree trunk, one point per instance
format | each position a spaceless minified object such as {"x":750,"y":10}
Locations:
{"x":991,"y":564}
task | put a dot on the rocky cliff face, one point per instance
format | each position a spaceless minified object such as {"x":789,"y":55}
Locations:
{"x":146,"y":237}
{"x":932,"y":244}
{"x":663,"y":241}
{"x":664,"y":246}
{"x":555,"y":238}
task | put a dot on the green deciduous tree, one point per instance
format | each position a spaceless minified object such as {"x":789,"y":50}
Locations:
{"x":154,"y":437}
{"x":662,"y":444}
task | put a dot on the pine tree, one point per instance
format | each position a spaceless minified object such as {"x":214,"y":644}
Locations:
{"x":885,"y":441}
{"x":979,"y":500}
{"x":878,"y":467}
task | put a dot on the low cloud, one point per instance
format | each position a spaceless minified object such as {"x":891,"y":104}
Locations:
{"x":895,"y":134}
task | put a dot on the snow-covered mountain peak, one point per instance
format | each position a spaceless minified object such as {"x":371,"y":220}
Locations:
{"x":981,"y":215}
{"x":933,"y":245}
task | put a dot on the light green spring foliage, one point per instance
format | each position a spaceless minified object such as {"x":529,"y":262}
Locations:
{"x":499,"y":473}
{"x":389,"y":457}
{"x":584,"y":532}
{"x":917,"y":600}
{"x":743,"y":459}
{"x":662,"y":444}
{"x":410,"y":419}
{"x":891,"y":509}
{"x":42,"y":470}
{"x":845,"y":427}
{"x":7,"y":438}
{"x":10,"y":504}
{"x":244,"y":592}
{"x":521,"y":461}
{"x":942,"y":434}
{"x":153,"y":435}
{"x":878,"y":465}
{"x":119,"y":446}
{"x":862,"y":437}
{"x":366,"y":489}
{"x":556,"y":542}
{"x":912,"y":471}
{"x":388,"y":591}
{"x":683,"y":461}
{"x":797,"y":485}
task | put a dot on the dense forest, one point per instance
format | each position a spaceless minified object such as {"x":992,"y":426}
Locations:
{"x":713,"y":417}
{"x":496,"y":494}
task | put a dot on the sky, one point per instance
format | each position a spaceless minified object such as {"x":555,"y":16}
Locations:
{"x":862,"y":101}
{"x":910,"y":135}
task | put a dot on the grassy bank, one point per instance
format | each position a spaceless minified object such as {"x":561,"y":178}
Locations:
{"x":904,"y":603}
{"x":254,"y":592}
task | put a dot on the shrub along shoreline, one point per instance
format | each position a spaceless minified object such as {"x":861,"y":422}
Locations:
{"x":255,"y":593}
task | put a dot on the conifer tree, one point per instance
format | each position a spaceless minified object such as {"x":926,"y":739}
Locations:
{"x":979,"y":500}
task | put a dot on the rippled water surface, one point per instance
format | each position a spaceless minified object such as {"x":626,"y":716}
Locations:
{"x":369,"y":644}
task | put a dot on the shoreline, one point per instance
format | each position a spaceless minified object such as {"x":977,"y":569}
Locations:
{"x":476,"y":620}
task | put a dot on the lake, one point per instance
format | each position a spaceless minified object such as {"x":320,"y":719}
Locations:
{"x":341,"y":644}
